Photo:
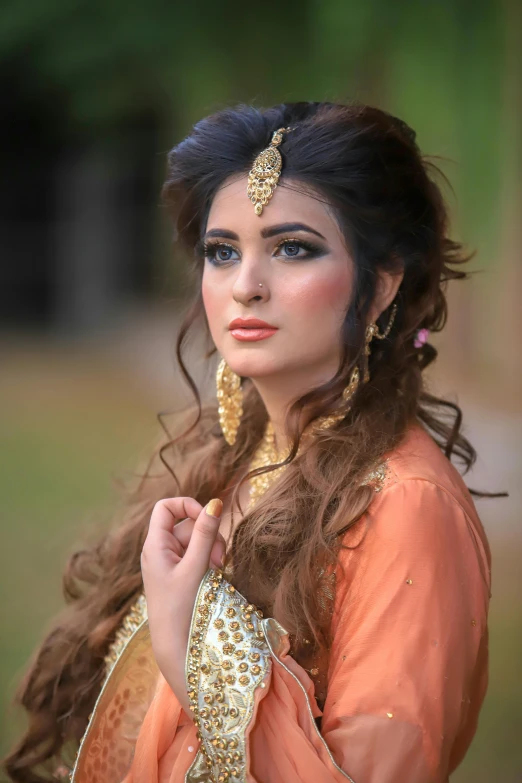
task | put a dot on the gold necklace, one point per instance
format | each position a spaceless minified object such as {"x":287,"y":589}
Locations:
{"x":267,"y":454}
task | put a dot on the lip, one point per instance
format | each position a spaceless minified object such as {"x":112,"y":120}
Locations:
{"x":252,"y":335}
{"x":251,"y":329}
{"x":250,"y":323}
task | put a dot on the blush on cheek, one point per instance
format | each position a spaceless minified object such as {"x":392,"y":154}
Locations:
{"x":319,"y":294}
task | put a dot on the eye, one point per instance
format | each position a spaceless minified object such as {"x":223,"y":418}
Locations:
{"x":291,"y":248}
{"x":219,"y":253}
{"x":298,"y":249}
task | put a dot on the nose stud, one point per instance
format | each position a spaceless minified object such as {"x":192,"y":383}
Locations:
{"x":260,"y":285}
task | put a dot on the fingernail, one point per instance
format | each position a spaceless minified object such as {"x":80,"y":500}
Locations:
{"x":214,"y":508}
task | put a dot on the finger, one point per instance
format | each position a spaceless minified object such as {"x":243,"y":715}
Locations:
{"x":217,"y":555}
{"x":204,"y":536}
{"x":183,"y":532}
{"x":168,"y":511}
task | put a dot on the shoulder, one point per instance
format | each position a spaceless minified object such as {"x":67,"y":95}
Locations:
{"x":421,"y":509}
{"x":417,"y":464}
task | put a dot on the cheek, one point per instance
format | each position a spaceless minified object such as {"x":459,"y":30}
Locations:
{"x":212,"y":304}
{"x":324,"y":296}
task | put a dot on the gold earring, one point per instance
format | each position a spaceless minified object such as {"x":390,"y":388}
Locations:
{"x":230,"y":399}
{"x":348,"y":392}
{"x":353,"y":385}
{"x":372,"y":330}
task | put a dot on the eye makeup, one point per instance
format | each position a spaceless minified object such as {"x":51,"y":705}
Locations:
{"x":222,"y":253}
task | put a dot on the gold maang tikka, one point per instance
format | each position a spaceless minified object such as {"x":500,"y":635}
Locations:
{"x":265,"y":172}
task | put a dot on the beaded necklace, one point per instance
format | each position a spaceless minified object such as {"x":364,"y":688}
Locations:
{"x":267,"y":454}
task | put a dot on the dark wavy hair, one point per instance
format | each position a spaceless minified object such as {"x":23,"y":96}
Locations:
{"x":367,"y":166}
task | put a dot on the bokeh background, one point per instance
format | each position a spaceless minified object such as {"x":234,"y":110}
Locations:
{"x":93,"y":94}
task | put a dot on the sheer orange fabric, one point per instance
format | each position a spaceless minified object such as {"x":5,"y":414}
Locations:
{"x":408,"y":665}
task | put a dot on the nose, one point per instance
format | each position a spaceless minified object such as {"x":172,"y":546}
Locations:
{"x":246,"y":287}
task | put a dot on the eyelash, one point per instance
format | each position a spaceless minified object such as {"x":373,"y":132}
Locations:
{"x":209,"y":249}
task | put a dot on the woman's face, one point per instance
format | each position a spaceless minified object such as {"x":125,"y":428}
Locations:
{"x":296,"y":250}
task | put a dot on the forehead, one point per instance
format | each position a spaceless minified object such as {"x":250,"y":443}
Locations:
{"x":291,"y":203}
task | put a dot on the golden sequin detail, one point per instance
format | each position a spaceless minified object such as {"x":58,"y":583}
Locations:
{"x":222,"y":701}
{"x":376,"y":478}
{"x":131,"y":622}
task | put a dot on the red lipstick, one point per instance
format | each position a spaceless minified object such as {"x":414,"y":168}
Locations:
{"x":251,"y":329}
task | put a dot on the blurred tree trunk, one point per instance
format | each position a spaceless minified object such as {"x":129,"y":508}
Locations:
{"x":88,"y":252}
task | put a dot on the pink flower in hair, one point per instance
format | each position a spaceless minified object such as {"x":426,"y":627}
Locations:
{"x":421,"y":338}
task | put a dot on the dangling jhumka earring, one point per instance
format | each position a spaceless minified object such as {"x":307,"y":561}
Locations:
{"x":372,"y":330}
{"x":264,"y":174}
{"x":230,"y":399}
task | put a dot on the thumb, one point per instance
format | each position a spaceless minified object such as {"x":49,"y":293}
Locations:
{"x":204,"y":535}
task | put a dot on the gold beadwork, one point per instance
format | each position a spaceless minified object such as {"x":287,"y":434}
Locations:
{"x":376,"y":478}
{"x":227,"y":709}
{"x":267,"y":454}
{"x":265,"y":172}
{"x":131,"y":622}
{"x":230,"y":399}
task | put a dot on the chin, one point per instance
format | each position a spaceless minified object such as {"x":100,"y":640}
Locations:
{"x":256,"y":366}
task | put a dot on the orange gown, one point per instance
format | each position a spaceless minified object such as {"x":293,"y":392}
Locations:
{"x":407,"y":671}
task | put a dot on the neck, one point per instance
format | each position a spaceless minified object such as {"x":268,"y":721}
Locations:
{"x":278,"y":393}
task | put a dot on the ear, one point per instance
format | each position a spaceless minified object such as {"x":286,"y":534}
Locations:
{"x":387,"y":286}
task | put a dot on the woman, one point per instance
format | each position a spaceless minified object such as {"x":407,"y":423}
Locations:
{"x":325,"y":620}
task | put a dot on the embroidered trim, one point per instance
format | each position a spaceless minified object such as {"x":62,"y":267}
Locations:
{"x":376,"y":478}
{"x":131,"y":622}
{"x":227,"y":660}
{"x":138,"y":632}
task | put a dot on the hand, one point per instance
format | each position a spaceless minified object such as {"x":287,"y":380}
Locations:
{"x":175,"y":558}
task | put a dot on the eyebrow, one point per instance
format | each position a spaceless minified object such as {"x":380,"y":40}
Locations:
{"x":269,"y":231}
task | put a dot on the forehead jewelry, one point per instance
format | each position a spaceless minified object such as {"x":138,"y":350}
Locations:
{"x":265,"y":172}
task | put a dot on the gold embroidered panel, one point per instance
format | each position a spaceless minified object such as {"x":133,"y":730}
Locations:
{"x":376,"y":478}
{"x":227,"y":660}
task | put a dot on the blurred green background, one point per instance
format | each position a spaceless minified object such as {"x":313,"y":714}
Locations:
{"x":93,"y":95}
